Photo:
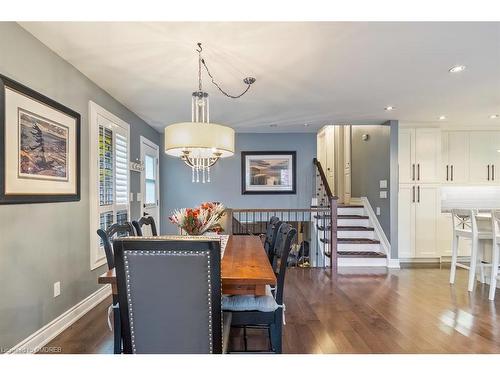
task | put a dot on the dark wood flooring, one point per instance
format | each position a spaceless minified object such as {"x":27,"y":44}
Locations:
{"x":359,"y":311}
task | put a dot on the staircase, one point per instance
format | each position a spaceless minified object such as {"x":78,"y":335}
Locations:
{"x":357,"y":242}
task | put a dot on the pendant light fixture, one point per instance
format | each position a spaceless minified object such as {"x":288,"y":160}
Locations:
{"x":200,"y":143}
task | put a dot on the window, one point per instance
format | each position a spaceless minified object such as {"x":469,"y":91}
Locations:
{"x":150,"y":180}
{"x":108,"y":176}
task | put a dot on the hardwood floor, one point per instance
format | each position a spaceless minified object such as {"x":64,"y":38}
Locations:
{"x":359,"y":311}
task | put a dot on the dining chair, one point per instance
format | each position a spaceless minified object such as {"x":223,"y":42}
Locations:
{"x":107,"y":239}
{"x":145,"y":220}
{"x":269,"y":230}
{"x":466,"y":225}
{"x":495,"y":252}
{"x":270,"y":242}
{"x":169,"y":291}
{"x":266,"y":311}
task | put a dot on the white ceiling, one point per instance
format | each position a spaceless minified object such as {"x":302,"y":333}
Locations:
{"x":315,"y":73}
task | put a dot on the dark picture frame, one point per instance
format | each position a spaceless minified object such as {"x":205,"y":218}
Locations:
{"x":59,"y":170}
{"x":263,"y":189}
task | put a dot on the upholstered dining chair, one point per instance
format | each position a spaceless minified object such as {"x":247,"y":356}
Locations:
{"x":145,"y":220}
{"x":466,"y":225}
{"x":270,"y":242}
{"x":107,"y":237}
{"x":495,"y":252}
{"x":265,"y":311}
{"x":169,"y":291}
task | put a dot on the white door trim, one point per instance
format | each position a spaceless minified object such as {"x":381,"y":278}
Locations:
{"x":143,"y":140}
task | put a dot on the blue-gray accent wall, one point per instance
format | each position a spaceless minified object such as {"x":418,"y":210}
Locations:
{"x":178,"y":191}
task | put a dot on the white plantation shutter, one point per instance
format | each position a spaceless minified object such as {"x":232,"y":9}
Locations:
{"x":121,"y":170}
{"x":109,"y":176}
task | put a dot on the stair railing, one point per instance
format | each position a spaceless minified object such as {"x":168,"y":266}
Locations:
{"x":325,"y":195}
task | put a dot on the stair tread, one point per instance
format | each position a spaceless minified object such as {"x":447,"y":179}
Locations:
{"x":350,"y":206}
{"x":354,"y":228}
{"x":360,"y":254}
{"x":357,"y":241}
{"x":352,"y":217}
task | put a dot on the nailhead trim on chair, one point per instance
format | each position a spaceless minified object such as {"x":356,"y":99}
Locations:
{"x":128,"y":253}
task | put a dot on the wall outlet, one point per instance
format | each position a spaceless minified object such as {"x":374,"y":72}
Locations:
{"x":378,"y":211}
{"x":57,"y":288}
{"x":383,"y":194}
{"x":383,"y":184}
{"x":139,"y":197}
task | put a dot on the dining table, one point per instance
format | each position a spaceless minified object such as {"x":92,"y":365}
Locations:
{"x":245,"y":268}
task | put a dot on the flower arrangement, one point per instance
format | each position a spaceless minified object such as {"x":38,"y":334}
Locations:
{"x":195,"y":221}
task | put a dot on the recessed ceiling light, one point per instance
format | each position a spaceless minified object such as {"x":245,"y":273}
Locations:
{"x":273,"y":125}
{"x":390,"y":108}
{"x":442,"y":117}
{"x":457,"y":69}
{"x":494,"y":116}
{"x":306,"y":125}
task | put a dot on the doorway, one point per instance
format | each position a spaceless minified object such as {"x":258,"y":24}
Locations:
{"x":150,"y":182}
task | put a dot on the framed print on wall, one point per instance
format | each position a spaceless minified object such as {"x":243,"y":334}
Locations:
{"x":268,"y":172}
{"x":39,"y":147}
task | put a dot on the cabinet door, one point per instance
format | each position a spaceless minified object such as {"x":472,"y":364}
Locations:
{"x":406,"y":218}
{"x":406,"y":155}
{"x":495,"y":145}
{"x":427,"y":155}
{"x":482,"y":155}
{"x":458,"y":157}
{"x":426,"y":216}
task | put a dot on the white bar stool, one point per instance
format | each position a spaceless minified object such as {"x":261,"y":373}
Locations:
{"x":495,"y":252}
{"x":467,"y":225}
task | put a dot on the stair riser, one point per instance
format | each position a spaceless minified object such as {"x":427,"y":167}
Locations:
{"x":362,"y":262}
{"x":353,"y":222}
{"x":351,"y":211}
{"x":358,"y":247}
{"x":356,"y":234}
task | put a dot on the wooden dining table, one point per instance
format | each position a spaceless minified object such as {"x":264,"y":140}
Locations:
{"x":245,"y":268}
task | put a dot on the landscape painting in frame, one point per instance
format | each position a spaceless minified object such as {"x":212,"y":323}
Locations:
{"x":43,"y":148}
{"x":271,"y":172}
{"x":39,"y":146}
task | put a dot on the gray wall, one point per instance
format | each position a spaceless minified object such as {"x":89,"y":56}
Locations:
{"x":225,"y":187}
{"x":44,"y":243}
{"x":371,"y":163}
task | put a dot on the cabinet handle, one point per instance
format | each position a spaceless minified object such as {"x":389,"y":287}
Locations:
{"x":446,"y":173}
{"x":452,"y":172}
{"x":493,"y":172}
{"x":418,"y":171}
{"x":413,"y":188}
{"x":413,"y":172}
{"x":488,"y":172}
{"x":418,"y":194}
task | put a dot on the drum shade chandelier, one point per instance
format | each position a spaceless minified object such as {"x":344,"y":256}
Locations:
{"x":200,"y":143}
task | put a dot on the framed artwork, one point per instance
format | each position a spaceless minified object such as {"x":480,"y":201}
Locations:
{"x":268,"y":172}
{"x":39,"y":147}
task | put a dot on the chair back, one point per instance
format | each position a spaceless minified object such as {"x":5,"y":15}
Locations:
{"x":464,"y":220}
{"x":169,"y":290}
{"x":495,"y":222}
{"x":271,"y":233}
{"x":107,"y":238}
{"x":145,"y":220}
{"x":284,"y":241}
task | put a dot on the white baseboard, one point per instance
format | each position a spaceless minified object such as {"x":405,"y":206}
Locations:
{"x":393,"y":263}
{"x":37,"y":340}
{"x":379,"y":232}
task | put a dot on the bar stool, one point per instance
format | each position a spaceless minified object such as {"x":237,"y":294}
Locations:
{"x":495,"y":252}
{"x":467,"y":225}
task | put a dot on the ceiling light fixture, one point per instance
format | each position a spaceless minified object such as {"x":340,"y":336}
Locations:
{"x":442,"y":117}
{"x":457,"y":69}
{"x":390,"y":108}
{"x":494,"y":117}
{"x":200,"y":143}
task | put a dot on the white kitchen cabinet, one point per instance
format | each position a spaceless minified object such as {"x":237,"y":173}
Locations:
{"x":418,"y":210}
{"x":419,"y":155}
{"x":484,"y":157}
{"x":455,"y":157}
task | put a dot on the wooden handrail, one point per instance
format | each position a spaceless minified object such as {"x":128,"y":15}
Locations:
{"x":328,"y":191}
